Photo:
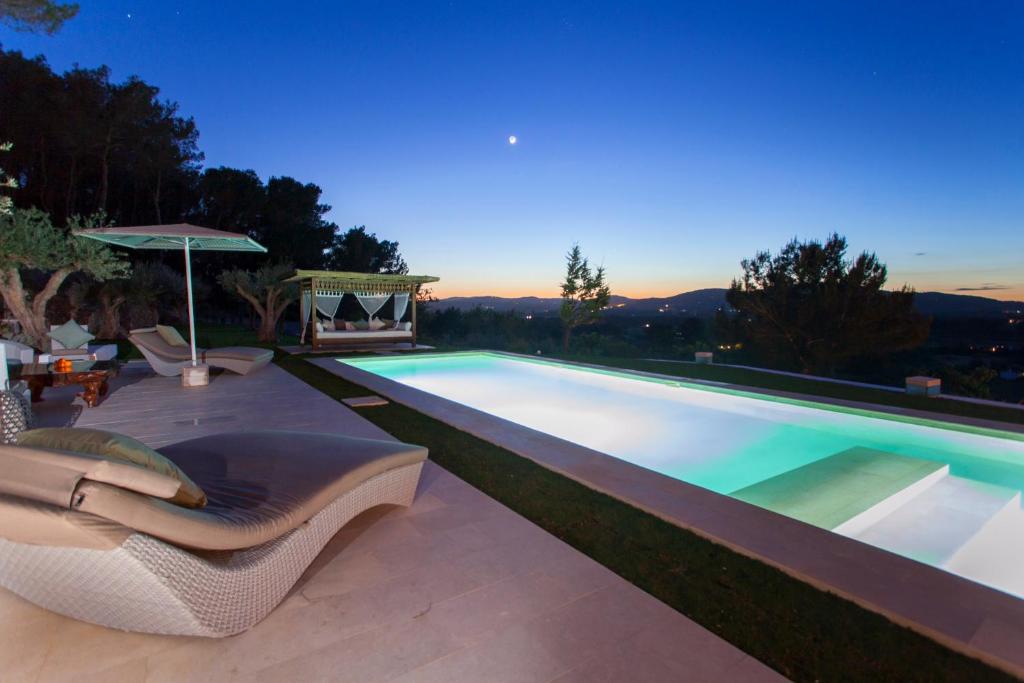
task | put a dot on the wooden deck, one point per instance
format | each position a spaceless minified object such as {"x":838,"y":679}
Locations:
{"x":455,"y":588}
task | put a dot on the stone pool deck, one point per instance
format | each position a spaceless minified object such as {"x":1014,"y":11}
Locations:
{"x":455,"y":588}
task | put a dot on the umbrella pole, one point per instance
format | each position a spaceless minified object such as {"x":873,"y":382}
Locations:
{"x":191,"y":312}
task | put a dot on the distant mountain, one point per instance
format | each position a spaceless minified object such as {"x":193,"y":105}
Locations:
{"x":703,"y":303}
{"x":943,"y":305}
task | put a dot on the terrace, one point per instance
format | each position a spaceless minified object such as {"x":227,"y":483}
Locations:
{"x":456,"y":587}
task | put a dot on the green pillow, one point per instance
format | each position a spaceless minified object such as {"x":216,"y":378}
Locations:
{"x":119,"y":448}
{"x":171,"y":335}
{"x":71,"y":335}
{"x":362,"y":325}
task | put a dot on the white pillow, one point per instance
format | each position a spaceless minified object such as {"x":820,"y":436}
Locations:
{"x":406,"y":326}
{"x":376,"y":324}
{"x":319,"y":326}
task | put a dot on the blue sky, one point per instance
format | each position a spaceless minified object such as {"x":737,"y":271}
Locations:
{"x":670,"y":139}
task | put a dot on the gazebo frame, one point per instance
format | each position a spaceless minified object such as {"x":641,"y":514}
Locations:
{"x":340,"y":282}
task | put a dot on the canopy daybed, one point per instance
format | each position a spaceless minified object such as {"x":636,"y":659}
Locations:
{"x":321,"y":293}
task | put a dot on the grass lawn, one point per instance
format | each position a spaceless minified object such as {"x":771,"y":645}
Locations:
{"x":806,"y":634}
{"x":801,"y":385}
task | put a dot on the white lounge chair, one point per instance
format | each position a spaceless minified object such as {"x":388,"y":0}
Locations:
{"x":168,"y":360}
{"x":100,"y":541}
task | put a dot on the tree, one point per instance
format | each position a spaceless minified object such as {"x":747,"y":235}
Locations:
{"x":265,"y":292}
{"x":36,"y":15}
{"x":584,"y":294}
{"x":811,"y":308}
{"x":28,"y":240}
{"x":84,"y":144}
{"x":358,"y":251}
{"x":292,"y":225}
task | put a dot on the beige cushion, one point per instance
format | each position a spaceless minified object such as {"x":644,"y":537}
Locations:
{"x":376,"y":324}
{"x":149,"y":339}
{"x":35,"y":523}
{"x":246,"y":353}
{"x":260,"y":485}
{"x":119,"y":448}
{"x":171,"y":335}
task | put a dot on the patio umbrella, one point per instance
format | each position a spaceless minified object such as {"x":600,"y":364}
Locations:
{"x":179,"y":236}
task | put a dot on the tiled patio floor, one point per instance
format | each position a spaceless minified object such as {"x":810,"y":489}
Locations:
{"x":455,"y":588}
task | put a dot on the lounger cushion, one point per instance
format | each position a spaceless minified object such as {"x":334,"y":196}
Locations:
{"x":260,"y":485}
{"x":250,"y":354}
{"x":150,"y":339}
{"x":171,"y":335}
{"x":35,"y":523}
{"x":116,"y":447}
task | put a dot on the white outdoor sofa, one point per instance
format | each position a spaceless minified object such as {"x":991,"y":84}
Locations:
{"x":83,"y":352}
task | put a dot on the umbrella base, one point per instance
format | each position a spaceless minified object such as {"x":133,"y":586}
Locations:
{"x":195,"y":376}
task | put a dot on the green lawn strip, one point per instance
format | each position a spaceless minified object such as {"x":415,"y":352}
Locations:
{"x":807,"y":634}
{"x":800,"y":385}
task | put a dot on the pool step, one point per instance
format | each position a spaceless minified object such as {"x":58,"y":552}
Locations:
{"x":937,"y":522}
{"x":833,"y":490}
{"x":994,"y":556}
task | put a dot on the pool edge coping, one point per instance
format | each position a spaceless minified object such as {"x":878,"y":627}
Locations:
{"x":980,"y":622}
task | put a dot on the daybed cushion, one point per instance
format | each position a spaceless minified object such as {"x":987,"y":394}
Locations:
{"x":171,"y":335}
{"x":260,"y":485}
{"x":116,"y":447}
{"x":366,"y":334}
{"x":149,"y":339}
{"x":71,"y":335}
{"x":376,"y":324}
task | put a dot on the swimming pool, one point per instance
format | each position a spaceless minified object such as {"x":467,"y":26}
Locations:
{"x":945,"y":494}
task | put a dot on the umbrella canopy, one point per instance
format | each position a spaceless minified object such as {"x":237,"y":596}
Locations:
{"x":174,"y":237}
{"x":178,"y":236}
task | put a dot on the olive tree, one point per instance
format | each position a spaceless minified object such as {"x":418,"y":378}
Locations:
{"x":28,"y":240}
{"x":266,"y":293}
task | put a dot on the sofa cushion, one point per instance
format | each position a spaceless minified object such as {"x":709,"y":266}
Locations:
{"x":115,"y":447}
{"x":171,"y":335}
{"x":71,"y":335}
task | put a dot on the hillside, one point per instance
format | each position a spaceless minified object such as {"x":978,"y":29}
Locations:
{"x":704,"y":303}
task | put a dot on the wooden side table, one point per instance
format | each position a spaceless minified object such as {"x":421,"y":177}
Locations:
{"x":92,"y":376}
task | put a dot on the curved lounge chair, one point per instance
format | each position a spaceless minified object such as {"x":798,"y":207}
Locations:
{"x":99,"y":542}
{"x":168,"y":360}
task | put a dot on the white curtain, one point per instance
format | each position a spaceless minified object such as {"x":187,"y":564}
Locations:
{"x":304,"y":314}
{"x":372,"y":303}
{"x":401,"y":303}
{"x":328,"y":304}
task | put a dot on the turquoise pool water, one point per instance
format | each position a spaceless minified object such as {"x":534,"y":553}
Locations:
{"x":797,"y":457}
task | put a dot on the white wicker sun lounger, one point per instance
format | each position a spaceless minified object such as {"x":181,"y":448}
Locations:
{"x":75,"y":540}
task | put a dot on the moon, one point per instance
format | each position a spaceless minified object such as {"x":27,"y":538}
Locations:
{"x":512,"y":139}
